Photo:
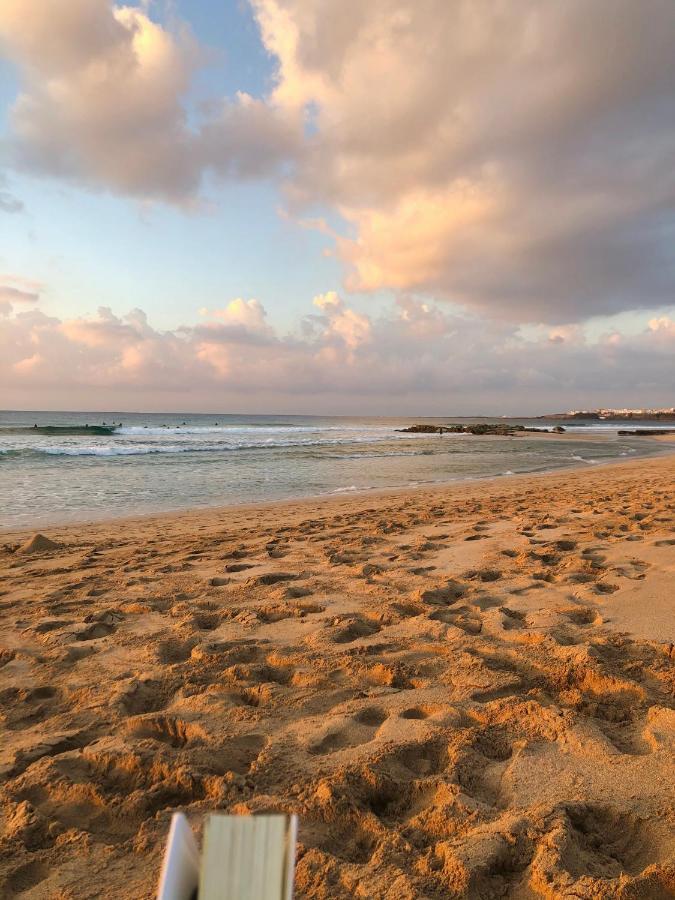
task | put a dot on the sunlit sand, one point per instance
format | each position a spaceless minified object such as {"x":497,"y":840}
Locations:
{"x":464,"y":691}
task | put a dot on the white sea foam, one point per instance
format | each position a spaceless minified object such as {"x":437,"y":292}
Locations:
{"x":54,"y":476}
{"x":225,"y":430}
{"x":138,"y":449}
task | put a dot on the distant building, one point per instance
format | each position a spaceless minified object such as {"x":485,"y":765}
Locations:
{"x":625,"y":413}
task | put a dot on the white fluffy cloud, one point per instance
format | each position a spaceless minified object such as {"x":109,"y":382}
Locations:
{"x":513,"y":156}
{"x":102,"y":103}
{"x":417,"y":358}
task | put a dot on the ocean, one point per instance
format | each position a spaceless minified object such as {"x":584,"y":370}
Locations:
{"x":119,"y":464}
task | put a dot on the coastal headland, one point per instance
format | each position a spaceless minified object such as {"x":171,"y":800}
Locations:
{"x":463,"y":690}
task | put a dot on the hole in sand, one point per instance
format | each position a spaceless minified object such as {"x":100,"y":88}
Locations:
{"x":273,"y":578}
{"x":174,"y":651}
{"x":603,"y":587}
{"x":296,"y":591}
{"x":237,"y":756}
{"x":565,"y":545}
{"x":206,"y":621}
{"x":582,"y":615}
{"x":485,"y":575}
{"x":417,"y":712}
{"x":493,"y":744}
{"x":168,"y":730}
{"x":371,"y":716}
{"x":606,"y":843}
{"x":355,"y":630}
{"x":95,"y":631}
{"x":27,"y":876}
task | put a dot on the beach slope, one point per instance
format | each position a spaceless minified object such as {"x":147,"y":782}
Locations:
{"x":464,"y":691}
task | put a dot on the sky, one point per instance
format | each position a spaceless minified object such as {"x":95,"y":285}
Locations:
{"x":337,"y":206}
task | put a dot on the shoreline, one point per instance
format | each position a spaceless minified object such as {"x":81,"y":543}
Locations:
{"x":13,"y":533}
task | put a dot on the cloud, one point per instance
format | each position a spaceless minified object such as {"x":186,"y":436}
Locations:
{"x":513,"y":157}
{"x":414,"y":358}
{"x":663,"y":327}
{"x":14,"y":289}
{"x":16,"y":295}
{"x":102,"y":103}
{"x":342,"y":326}
{"x":248,"y":315}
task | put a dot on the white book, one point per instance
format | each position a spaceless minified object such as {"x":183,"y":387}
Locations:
{"x":180,"y":870}
{"x":243,"y":858}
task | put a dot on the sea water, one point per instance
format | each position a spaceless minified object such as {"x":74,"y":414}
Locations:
{"x":146,"y":463}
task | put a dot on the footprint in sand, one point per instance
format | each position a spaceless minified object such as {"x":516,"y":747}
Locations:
{"x":27,"y":876}
{"x":422,"y":570}
{"x":582,"y":615}
{"x":610,"y":843}
{"x":48,"y":625}
{"x":94,"y":631}
{"x":238,"y":755}
{"x":206,"y":621}
{"x":545,"y":559}
{"x":238,"y":567}
{"x":634,"y":569}
{"x":512,"y":618}
{"x":423,"y":711}
{"x":604,"y":587}
{"x":359,"y":729}
{"x":270,"y":578}
{"x":242,"y":553}
{"x":406,"y":610}
{"x":463,"y":618}
{"x":484,"y":575}
{"x":174,"y":650}
{"x":139,"y":696}
{"x":166,"y":729}
{"x":443,"y":596}
{"x":352,"y":630}
{"x":565,"y":546}
{"x":471,"y":770}
{"x":296,"y":591}
{"x":485,"y":601}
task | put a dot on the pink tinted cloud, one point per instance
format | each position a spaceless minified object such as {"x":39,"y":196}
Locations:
{"x":514,"y":157}
{"x":415,"y":358}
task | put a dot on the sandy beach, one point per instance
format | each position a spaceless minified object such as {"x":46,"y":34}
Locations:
{"x":464,"y":691}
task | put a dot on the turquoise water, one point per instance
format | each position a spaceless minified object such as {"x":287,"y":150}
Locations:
{"x":155,"y":462}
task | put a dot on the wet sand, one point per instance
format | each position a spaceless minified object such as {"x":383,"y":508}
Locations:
{"x":463,"y":691}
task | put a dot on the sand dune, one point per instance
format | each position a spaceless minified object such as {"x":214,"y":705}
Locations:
{"x":463,"y":692}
